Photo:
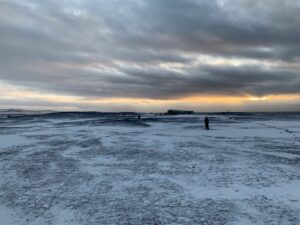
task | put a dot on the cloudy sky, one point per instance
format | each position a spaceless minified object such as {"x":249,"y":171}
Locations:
{"x":150,"y":55}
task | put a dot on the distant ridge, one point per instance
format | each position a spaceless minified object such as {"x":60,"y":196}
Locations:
{"x":178,"y":112}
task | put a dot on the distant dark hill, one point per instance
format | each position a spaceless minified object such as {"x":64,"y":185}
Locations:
{"x":178,"y":112}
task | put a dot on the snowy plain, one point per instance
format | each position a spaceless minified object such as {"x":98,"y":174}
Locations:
{"x":94,"y":168}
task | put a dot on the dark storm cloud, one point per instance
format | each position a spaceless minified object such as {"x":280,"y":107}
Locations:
{"x":209,"y":80}
{"x":150,"y":49}
{"x":206,"y":27}
{"x":163,"y":83}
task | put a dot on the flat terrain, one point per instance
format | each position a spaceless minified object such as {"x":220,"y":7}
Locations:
{"x":85,"y":168}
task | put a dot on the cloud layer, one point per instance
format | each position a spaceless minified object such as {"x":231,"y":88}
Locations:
{"x":158,"y":49}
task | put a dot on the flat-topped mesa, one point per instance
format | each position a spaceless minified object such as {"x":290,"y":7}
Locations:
{"x":178,"y":112}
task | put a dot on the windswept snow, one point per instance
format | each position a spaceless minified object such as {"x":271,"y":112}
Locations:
{"x":77,"y":168}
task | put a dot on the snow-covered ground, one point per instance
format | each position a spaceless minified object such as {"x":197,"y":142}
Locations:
{"x":116,"y":169}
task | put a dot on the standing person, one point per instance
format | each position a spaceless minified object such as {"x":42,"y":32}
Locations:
{"x":206,"y":121}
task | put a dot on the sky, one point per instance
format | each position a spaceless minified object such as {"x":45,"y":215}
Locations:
{"x":150,"y":55}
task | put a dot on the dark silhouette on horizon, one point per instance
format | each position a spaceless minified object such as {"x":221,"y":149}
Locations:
{"x":206,"y":121}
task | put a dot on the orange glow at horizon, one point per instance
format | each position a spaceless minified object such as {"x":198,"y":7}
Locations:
{"x":18,"y":93}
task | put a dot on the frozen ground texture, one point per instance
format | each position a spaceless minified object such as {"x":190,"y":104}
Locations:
{"x":92,"y":168}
